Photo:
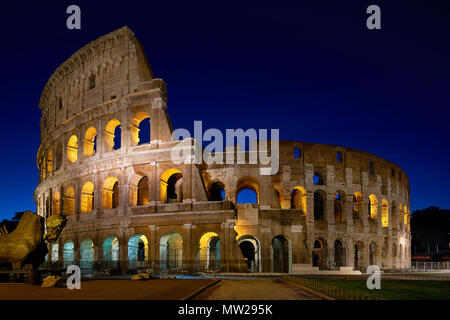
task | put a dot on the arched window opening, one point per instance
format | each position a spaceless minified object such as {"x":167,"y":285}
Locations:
{"x":338,"y":205}
{"x":111,"y":251}
{"x":110,"y":193}
{"x":58,"y":156}
{"x":297,"y":153}
{"x":373,"y":207}
{"x":50,"y":162}
{"x":356,"y":205}
{"x":319,"y":205}
{"x":298,"y":199}
{"x":279,"y":196}
{"x":90,"y":142}
{"x":209,"y":252}
{"x":384,"y":213}
{"x":318,"y":179}
{"x":247,"y":195}
{"x":72,"y":149}
{"x":140,"y":129}
{"x":171,"y":186}
{"x":142,"y":199}
{"x":137,"y":250}
{"x":247,"y":190}
{"x":56,"y":203}
{"x":113,"y":135}
{"x":55,"y":252}
{"x":87,"y":197}
{"x":91,"y":82}
{"x":319,"y":254}
{"x":171,"y":251}
{"x":339,"y":156}
{"x":339,"y":254}
{"x":68,"y":252}
{"x":216,"y":191}
{"x":69,"y":201}
{"x":60,"y":103}
{"x":86,"y":253}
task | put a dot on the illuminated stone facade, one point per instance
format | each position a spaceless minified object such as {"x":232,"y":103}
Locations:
{"x":327,"y":207}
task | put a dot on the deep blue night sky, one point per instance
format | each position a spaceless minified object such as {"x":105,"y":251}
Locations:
{"x":310,"y":68}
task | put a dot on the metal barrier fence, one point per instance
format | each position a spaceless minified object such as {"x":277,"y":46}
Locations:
{"x":430,"y":266}
{"x":331,"y":291}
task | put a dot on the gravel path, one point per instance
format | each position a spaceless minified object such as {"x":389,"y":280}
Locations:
{"x":257,"y":289}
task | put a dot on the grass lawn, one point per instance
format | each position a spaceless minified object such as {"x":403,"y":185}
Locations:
{"x":396,"y":289}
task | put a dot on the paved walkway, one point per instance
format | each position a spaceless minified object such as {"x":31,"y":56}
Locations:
{"x":107,"y":290}
{"x":257,"y":289}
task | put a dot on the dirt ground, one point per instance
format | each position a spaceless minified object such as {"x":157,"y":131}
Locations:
{"x":155,"y":289}
{"x":257,"y":289}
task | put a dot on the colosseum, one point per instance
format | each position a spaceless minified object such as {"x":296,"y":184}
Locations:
{"x":105,"y":163}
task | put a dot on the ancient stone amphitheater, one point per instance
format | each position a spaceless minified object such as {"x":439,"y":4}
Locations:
{"x":129,"y":206}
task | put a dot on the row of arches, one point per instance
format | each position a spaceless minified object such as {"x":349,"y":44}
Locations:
{"x":112,"y":137}
{"x":247,"y":191}
{"x":170,"y":186}
{"x":171,"y":255}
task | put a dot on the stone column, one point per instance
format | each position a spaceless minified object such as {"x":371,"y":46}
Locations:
{"x":187,"y":247}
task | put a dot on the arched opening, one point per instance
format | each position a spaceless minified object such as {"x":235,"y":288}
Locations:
{"x":405,"y":216}
{"x":249,"y":246}
{"x":142,"y":193}
{"x":209,"y":253}
{"x":358,"y":255}
{"x":86,"y":253}
{"x":87,"y":197}
{"x":319,"y":205}
{"x":384,"y":213}
{"x":356,"y":205}
{"x":319,"y":254}
{"x":372,"y":253}
{"x":68,"y":252}
{"x":318,"y":179}
{"x":55,"y":252}
{"x":279,"y":197}
{"x":90,"y":142}
{"x":111,"y":251}
{"x":49,"y":162}
{"x":139,"y":189}
{"x":171,"y":251}
{"x":216,"y":191}
{"x":110,"y":193}
{"x":69,"y":201}
{"x":246,"y":196}
{"x":56,"y":203}
{"x":72,"y":149}
{"x":247,"y":190}
{"x":339,"y":254}
{"x":113,"y":135}
{"x":373,"y":207}
{"x":338,"y":206}
{"x":137,"y":251}
{"x":280,"y":254}
{"x":298,"y":199}
{"x":58,"y":156}
{"x":171,"y":186}
{"x":140,"y":129}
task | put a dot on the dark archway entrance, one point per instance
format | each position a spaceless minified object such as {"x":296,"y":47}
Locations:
{"x":280,"y":254}
{"x":339,"y":254}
